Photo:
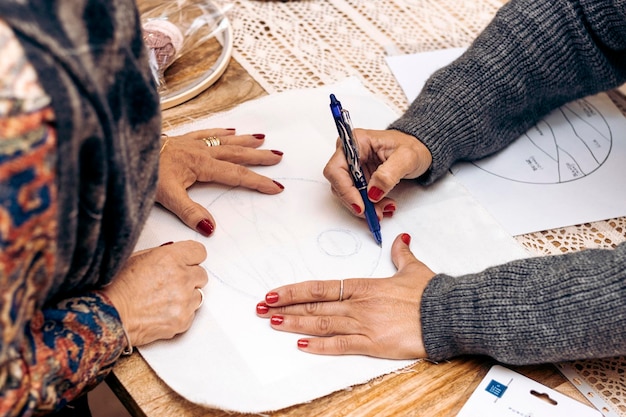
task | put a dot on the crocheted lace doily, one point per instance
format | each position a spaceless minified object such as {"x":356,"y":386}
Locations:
{"x":293,"y":44}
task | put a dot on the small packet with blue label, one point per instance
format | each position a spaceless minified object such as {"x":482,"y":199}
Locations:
{"x":505,"y":393}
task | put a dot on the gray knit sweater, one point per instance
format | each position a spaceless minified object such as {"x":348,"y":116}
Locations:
{"x":534,"y":56}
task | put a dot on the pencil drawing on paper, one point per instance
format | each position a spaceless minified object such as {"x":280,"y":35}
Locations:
{"x":262,"y":242}
{"x":570,"y":143}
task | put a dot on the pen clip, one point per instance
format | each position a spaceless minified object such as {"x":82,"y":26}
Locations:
{"x":345,"y":117}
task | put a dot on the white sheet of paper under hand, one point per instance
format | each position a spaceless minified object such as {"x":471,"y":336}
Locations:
{"x":231,"y":359}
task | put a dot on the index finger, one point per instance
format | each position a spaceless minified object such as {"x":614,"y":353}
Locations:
{"x":337,"y":174}
{"x":189,"y":251}
{"x":307,"y":292}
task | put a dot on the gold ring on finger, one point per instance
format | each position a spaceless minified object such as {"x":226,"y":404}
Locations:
{"x":212,"y":141}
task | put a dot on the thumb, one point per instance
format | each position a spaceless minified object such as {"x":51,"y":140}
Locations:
{"x":194,"y":215}
{"x":401,"y":254}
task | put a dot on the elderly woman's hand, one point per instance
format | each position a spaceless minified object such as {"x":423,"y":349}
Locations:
{"x":156,"y":293}
{"x":188,"y":158}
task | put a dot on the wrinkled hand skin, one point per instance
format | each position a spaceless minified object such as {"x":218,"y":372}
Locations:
{"x":155,"y":293}
{"x":187,"y":159}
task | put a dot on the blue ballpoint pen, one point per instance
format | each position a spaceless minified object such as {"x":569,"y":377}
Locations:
{"x":344,"y":127}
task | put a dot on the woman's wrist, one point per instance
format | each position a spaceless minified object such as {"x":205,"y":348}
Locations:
{"x":110,"y":297}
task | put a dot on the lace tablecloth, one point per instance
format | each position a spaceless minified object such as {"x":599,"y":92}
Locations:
{"x":307,"y":43}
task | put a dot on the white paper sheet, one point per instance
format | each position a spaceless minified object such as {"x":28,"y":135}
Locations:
{"x":412,"y":70}
{"x":233,"y":360}
{"x":566,"y":170}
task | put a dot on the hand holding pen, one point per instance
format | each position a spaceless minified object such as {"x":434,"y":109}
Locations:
{"x":388,"y":155}
{"x":351,"y":151}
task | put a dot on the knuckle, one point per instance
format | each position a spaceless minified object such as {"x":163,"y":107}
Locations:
{"x":328,"y":171}
{"x":324,"y":325}
{"x":292,"y":294}
{"x":281,"y":310}
{"x":201,"y":250}
{"x":343,"y":194}
{"x":311,"y":308}
{"x":385,"y":179}
{"x":187,"y":211}
{"x":235,"y":150}
{"x":241,"y":170}
{"x":183,"y":326}
{"x":317,"y":290}
{"x":199,"y":276}
{"x":237,"y":174}
{"x":342,"y":344}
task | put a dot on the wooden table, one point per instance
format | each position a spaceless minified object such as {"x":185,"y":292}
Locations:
{"x":425,"y":389}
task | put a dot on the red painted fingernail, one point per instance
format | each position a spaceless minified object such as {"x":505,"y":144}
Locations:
{"x":166,"y":243}
{"x":205,"y":227}
{"x":303,"y":343}
{"x":406,"y":238}
{"x":375,"y":193}
{"x":262,"y":308}
{"x":282,"y":187}
{"x":390,"y":207}
{"x":271,"y":297}
{"x":277,"y":320}
{"x":356,"y":208}
{"x":259,"y":135}
{"x":230,"y":128}
{"x":279,"y":153}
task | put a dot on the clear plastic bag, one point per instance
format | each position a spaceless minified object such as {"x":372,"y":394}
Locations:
{"x":172,"y":29}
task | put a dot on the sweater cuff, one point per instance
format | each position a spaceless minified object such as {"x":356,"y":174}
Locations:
{"x":436,"y":320}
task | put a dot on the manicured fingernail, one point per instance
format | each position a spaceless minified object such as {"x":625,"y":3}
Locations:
{"x":277,"y":320}
{"x":356,"y":208}
{"x":303,"y":343}
{"x":406,"y":238}
{"x":205,"y":227}
{"x":390,"y":207}
{"x":375,"y":193}
{"x":262,"y":308}
{"x":230,"y":128}
{"x":271,"y":297}
{"x":279,"y":153}
{"x":282,"y":187}
{"x":166,"y":243}
{"x":259,"y":135}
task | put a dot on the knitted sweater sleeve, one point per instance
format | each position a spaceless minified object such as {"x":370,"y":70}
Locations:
{"x":535,"y":56}
{"x":546,"y":309}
